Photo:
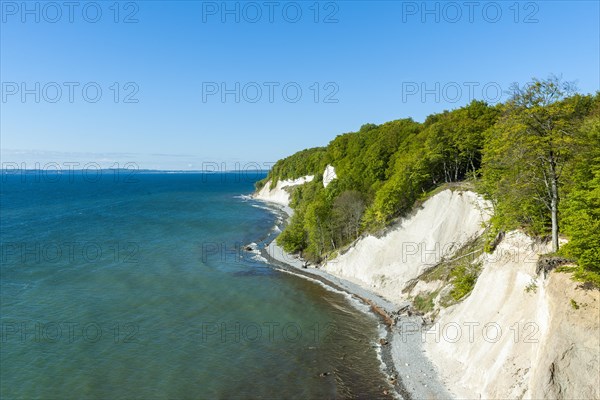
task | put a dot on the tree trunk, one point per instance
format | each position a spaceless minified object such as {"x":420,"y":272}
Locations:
{"x":554,"y":202}
{"x":456,"y":168}
{"x":321,"y":237}
{"x":554,"y":207}
{"x":473,"y":166}
{"x":446,"y":174}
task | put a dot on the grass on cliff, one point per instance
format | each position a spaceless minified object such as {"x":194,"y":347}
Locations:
{"x":459,"y":272}
{"x":424,"y":302}
{"x":466,"y":254}
{"x":581,"y":275}
{"x":464,"y":279}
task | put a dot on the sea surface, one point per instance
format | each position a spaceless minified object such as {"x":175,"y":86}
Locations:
{"x":129,"y":285}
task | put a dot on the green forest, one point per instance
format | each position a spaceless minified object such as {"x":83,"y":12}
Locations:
{"x":536,"y":157}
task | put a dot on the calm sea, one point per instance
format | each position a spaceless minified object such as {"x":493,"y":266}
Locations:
{"x":117,"y":285}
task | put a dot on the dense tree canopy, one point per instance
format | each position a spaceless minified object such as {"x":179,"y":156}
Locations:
{"x":580,"y":208}
{"x":536,"y":157}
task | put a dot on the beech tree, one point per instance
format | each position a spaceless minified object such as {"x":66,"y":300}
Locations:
{"x":536,"y":139}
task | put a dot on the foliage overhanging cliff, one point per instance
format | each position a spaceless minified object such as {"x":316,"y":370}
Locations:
{"x":536,"y":157}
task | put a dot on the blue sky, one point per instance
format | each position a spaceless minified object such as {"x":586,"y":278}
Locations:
{"x":354,"y":62}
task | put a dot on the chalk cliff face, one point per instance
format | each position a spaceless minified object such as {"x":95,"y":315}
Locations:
{"x":280,"y":194}
{"x":516,"y":335}
{"x":568,"y":358}
{"x":329,"y":175}
{"x":387,"y":264}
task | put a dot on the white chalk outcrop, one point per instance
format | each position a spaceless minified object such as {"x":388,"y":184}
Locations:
{"x":441,"y":226}
{"x":504,"y":341}
{"x":280,"y":194}
{"x":516,"y":335}
{"x":329,"y":175}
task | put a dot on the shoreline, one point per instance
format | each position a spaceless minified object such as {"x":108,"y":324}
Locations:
{"x":408,"y":370}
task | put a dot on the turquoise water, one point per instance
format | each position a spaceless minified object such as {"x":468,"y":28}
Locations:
{"x":118,"y":286}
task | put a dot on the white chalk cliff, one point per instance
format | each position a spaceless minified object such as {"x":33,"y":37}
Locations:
{"x":441,"y":226}
{"x":512,"y":342}
{"x":329,"y":175}
{"x":504,"y":341}
{"x":280,"y":194}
